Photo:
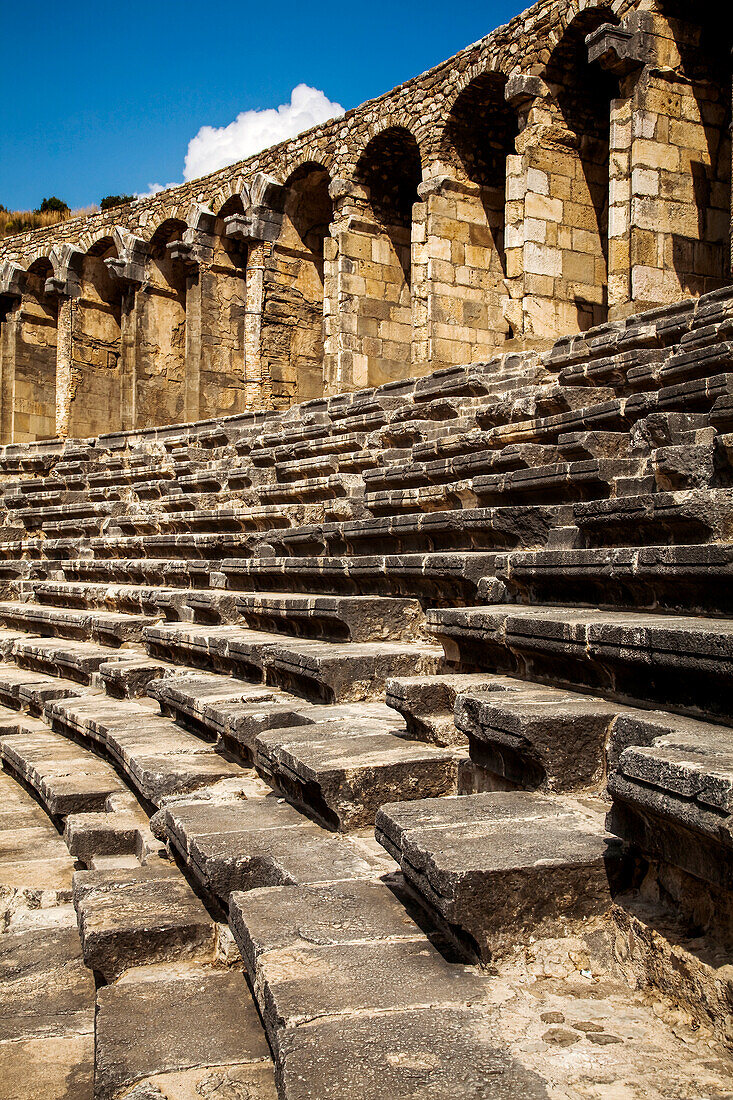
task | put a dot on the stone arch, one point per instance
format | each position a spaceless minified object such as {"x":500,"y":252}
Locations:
{"x":160,"y":331}
{"x":304,"y":157}
{"x":696,"y":41}
{"x":96,"y":386}
{"x":390,"y":168}
{"x":293,"y":347}
{"x":34,"y":374}
{"x":478,"y":135}
{"x":582,"y":95}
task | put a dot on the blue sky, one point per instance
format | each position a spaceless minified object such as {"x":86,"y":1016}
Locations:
{"x":105,"y":98}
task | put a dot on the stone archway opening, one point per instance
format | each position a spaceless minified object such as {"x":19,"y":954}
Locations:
{"x":480,"y":134}
{"x":160,"y":360}
{"x":583,"y":95}
{"x":390,"y":170}
{"x":696,"y":41}
{"x":96,"y":390}
{"x":293,"y":315}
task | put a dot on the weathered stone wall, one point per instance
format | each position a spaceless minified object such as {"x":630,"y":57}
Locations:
{"x":571,"y":167}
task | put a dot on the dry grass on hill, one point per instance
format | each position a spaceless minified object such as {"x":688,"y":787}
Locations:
{"x":22,"y":221}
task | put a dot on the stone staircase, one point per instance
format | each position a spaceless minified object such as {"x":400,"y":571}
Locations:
{"x":390,"y":734}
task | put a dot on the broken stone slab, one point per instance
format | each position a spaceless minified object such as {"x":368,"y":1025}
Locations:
{"x":418,"y":1054}
{"x":254,"y":843}
{"x":537,"y":737}
{"x":344,"y":618}
{"x":91,"y":835}
{"x":138,"y":923}
{"x":672,"y":786}
{"x":669,"y":659}
{"x":427,"y":703}
{"x":343,"y":773}
{"x":495,"y":868}
{"x":66,"y":777}
{"x":144,"y":1028}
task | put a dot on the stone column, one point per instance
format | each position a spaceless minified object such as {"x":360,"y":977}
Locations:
{"x":458,"y":278}
{"x":9,"y":328}
{"x":215,"y":323}
{"x":617,"y":50}
{"x":64,"y":360}
{"x":667,"y":207}
{"x":534,"y":311}
{"x":347,"y":365}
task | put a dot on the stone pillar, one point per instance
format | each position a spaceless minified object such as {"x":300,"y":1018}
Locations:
{"x":458,"y":277}
{"x":369,"y":311}
{"x":9,"y":329}
{"x":534,"y":310}
{"x":617,"y":50}
{"x":670,"y":216}
{"x":256,"y":232}
{"x":64,"y":361}
{"x":257,"y":380}
{"x":215,"y":324}
{"x":347,"y":364}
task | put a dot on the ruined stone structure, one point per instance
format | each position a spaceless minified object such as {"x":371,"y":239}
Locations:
{"x":378,"y":746}
{"x":571,"y":168}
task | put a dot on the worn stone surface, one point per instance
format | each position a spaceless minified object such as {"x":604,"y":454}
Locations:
{"x":215,"y":613}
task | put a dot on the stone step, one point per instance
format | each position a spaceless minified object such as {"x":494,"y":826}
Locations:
{"x":140,"y":919}
{"x":439,"y":577}
{"x":427,"y":704}
{"x":322,"y":671}
{"x":101,"y":626}
{"x":526,"y":525}
{"x":189,"y":520}
{"x":672,"y":788}
{"x":92,"y":837}
{"x":244,"y":844}
{"x":685,"y":578}
{"x":558,"y":483}
{"x":673,"y":660}
{"x":530,"y":736}
{"x":157,"y":757}
{"x":685,"y":516}
{"x":28,"y":689}
{"x":334,"y":960}
{"x":67,"y":778}
{"x":342,"y":771}
{"x":237,"y":713}
{"x":144,"y":1034}
{"x":336,"y":618}
{"x":78,"y":661}
{"x":495,"y":868}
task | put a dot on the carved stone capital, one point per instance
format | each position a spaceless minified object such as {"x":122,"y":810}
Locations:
{"x":12,"y":280}
{"x":523,"y":89}
{"x":620,"y":50}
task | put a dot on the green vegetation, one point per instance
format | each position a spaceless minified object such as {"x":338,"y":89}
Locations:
{"x":110,"y":201}
{"x":53,"y":205}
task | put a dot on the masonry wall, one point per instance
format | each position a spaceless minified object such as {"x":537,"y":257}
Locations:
{"x":573,"y":166}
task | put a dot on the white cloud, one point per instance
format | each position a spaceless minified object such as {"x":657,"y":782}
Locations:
{"x":154,"y":189}
{"x":215,"y":147}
